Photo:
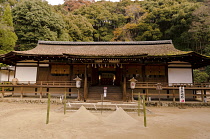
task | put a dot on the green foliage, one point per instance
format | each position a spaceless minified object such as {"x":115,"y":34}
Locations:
{"x":200,"y":76}
{"x":35,"y":20}
{"x":79,"y":28}
{"x":160,"y":19}
{"x":198,"y":35}
{"x":7,"y":36}
{"x":185,"y":22}
{"x":7,"y":17}
{"x":207,"y":70}
{"x":103,"y":19}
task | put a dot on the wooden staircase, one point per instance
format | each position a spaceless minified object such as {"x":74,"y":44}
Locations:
{"x":114,"y":93}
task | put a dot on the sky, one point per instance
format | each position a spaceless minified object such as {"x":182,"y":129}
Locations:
{"x":55,"y":2}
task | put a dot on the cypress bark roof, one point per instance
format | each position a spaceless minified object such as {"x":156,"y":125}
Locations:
{"x":163,"y":50}
{"x":151,"y":48}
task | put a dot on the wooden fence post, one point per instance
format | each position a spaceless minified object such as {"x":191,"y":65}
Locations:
{"x":2,"y":92}
{"x":139,"y":102}
{"x":40,"y":93}
{"x":48,"y":109}
{"x":202,"y":95}
{"x":174,"y":99}
{"x":124,"y":88}
{"x":144,"y":108}
{"x":21,"y":91}
{"x":132,"y":95}
{"x":102,"y":99}
{"x":65,"y":102}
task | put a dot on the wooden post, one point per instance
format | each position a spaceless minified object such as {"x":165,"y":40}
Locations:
{"x":85,"y":84}
{"x":21,"y":91}
{"x":78,"y":97}
{"x":71,"y":72}
{"x":139,"y":102}
{"x":124,"y":88}
{"x":159,"y":96}
{"x":102,"y":98}
{"x":2,"y":92}
{"x":144,"y":108}
{"x":64,"y":102}
{"x":48,"y":109}
{"x":40,"y":93}
{"x":202,"y":96}
{"x":174,"y":99}
{"x":132,"y":96}
{"x":147,"y":92}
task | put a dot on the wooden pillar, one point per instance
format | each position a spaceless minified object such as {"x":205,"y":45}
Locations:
{"x":21,"y":91}
{"x":174,"y":99}
{"x":40,"y":93}
{"x":204,"y":99}
{"x":78,"y":94}
{"x":167,"y":93}
{"x":202,"y":95}
{"x":37,"y":71}
{"x":147,"y":92}
{"x":71,"y":72}
{"x":8,"y":75}
{"x":143,"y":73}
{"x":85,"y":84}
{"x":124,"y":88}
{"x":65,"y":101}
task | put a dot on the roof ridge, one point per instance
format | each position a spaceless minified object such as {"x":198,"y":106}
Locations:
{"x":106,"y":43}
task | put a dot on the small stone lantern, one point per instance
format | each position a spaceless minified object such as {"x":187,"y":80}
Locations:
{"x":78,"y":85}
{"x":132,"y":85}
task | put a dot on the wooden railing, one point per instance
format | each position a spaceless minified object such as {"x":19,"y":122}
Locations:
{"x":73,"y":84}
{"x":172,"y":85}
{"x":39,"y":83}
{"x":38,"y":87}
{"x":170,"y":90}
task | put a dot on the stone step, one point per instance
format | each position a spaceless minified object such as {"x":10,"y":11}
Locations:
{"x":113,"y":93}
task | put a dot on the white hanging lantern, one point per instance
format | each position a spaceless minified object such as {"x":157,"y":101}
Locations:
{"x":133,"y":83}
{"x":78,"y":82}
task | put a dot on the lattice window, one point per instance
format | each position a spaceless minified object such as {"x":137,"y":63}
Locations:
{"x":155,"y":70}
{"x":78,"y":69}
{"x":60,"y":69}
{"x":134,"y":70}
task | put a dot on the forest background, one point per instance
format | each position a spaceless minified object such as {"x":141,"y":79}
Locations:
{"x":185,"y":22}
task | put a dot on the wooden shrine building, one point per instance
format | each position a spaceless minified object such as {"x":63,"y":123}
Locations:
{"x":52,"y":65}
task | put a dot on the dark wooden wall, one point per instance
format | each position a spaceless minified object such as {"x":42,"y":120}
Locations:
{"x":44,"y":74}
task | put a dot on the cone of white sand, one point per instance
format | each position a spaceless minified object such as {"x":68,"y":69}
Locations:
{"x":82,"y":116}
{"x":120,"y":117}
